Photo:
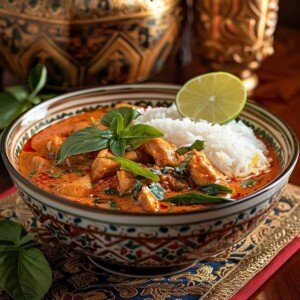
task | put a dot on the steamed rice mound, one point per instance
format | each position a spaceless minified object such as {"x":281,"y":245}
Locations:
{"x":233,"y":148}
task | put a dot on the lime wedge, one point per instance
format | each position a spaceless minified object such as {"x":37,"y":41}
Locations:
{"x":217,"y":97}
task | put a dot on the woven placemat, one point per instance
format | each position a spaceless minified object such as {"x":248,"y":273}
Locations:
{"x":221,"y":278}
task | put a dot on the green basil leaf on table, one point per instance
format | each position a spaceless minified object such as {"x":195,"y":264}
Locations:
{"x":129,"y":114}
{"x":27,"y":238}
{"x":215,"y":189}
{"x":25,"y":274}
{"x":157,"y":190}
{"x":139,"y":134}
{"x":24,"y":271}
{"x":117,"y":147}
{"x":196,"y":198}
{"x":37,"y":79}
{"x":18,"y":91}
{"x":130,"y":166}
{"x":10,"y":108}
{"x":10,"y":231}
{"x":197,"y":145}
{"x":83,"y":141}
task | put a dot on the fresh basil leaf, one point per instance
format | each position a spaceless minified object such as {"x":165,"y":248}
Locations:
{"x":29,"y":237}
{"x":183,"y":150}
{"x":128,"y":114}
{"x":10,"y":231}
{"x":196,"y":198}
{"x":139,"y":134}
{"x":110,"y":191}
{"x":157,"y":190}
{"x":117,"y":124}
{"x":197,"y":145}
{"x":130,"y":166}
{"x":83,"y":141}
{"x":18,"y":91}
{"x":248,"y":183}
{"x":25,"y":274}
{"x":113,"y":205}
{"x":10,"y":108}
{"x":215,"y":189}
{"x":37,"y":79}
{"x":117,"y":147}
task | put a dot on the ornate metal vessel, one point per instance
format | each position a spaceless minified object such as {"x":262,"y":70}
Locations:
{"x":84,"y":43}
{"x":236,"y":35}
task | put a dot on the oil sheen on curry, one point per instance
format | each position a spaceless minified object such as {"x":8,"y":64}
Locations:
{"x":149,"y":160}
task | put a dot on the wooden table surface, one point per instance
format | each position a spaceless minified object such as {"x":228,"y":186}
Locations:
{"x":279,"y":91}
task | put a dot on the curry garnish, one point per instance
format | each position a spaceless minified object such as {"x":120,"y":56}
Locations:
{"x":119,"y":136}
{"x":197,"y":145}
{"x":214,"y":189}
{"x":196,"y":198}
{"x":135,"y":168}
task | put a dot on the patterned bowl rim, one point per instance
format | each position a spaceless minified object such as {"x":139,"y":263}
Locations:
{"x":61,"y":200}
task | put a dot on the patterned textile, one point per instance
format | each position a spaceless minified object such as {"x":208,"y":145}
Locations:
{"x":75,"y":277}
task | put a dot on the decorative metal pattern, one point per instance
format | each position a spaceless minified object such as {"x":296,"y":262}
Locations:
{"x":84,"y":43}
{"x":236,"y":35}
{"x":218,"y":278}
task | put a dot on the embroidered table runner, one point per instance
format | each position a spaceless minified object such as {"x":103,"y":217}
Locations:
{"x":234,"y":274}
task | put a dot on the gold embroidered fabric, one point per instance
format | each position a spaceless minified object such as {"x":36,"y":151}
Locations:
{"x":75,"y":277}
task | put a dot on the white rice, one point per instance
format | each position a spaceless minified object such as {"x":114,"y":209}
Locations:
{"x":233,"y":148}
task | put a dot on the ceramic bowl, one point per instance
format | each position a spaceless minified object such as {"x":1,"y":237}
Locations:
{"x":145,"y":244}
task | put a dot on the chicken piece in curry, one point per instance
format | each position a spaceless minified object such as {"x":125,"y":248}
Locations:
{"x":102,"y":159}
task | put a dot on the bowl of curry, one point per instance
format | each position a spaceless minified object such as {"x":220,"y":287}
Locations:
{"x":139,"y":199}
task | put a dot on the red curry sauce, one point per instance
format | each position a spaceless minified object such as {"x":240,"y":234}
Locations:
{"x":37,"y":165}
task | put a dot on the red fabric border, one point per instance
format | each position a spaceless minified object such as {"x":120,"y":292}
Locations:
{"x":8,"y":192}
{"x":255,"y":283}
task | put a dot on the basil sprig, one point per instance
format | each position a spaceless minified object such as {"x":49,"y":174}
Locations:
{"x":135,"y":168}
{"x":24,"y":271}
{"x":83,"y":141}
{"x":197,"y":145}
{"x":16,"y":99}
{"x":196,"y":198}
{"x":120,"y":135}
{"x":215,"y":189}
